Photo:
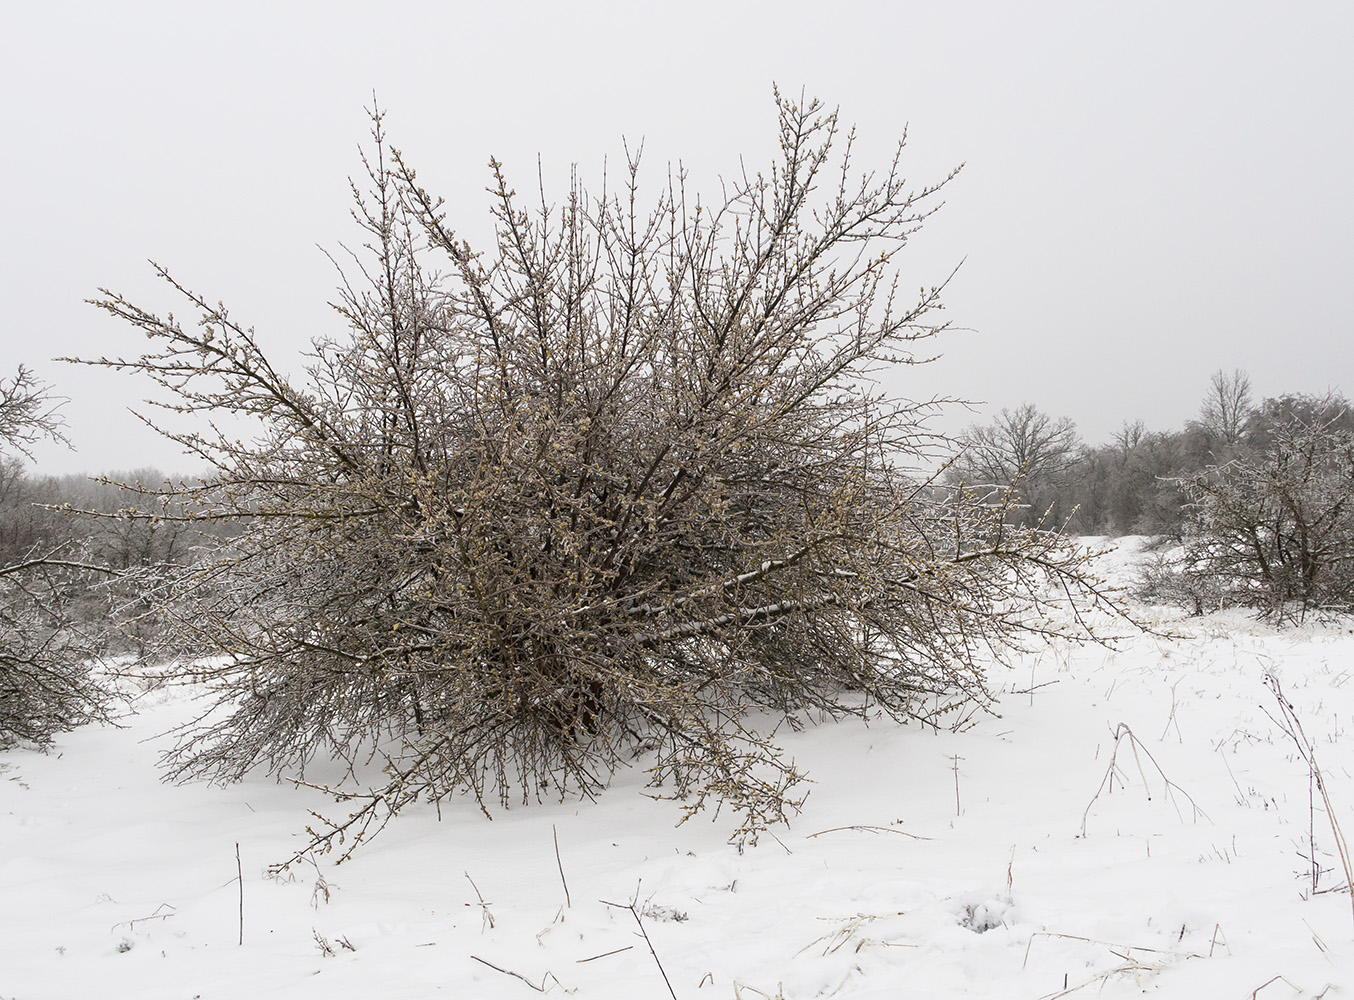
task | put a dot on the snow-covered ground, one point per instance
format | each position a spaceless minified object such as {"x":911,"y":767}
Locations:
{"x":1033,"y":855}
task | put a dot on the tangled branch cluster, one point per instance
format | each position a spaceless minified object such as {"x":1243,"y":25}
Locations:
{"x":1275,"y":531}
{"x":47,"y":648}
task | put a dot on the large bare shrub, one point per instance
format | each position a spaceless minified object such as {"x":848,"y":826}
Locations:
{"x":622,"y":485}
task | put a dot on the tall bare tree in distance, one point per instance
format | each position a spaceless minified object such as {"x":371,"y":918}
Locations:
{"x":1226,"y":408}
{"x":1024,"y":451}
{"x":621,"y":486}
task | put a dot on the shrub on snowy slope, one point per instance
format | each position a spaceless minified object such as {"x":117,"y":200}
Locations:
{"x":1276,"y":531}
{"x":612,"y":488}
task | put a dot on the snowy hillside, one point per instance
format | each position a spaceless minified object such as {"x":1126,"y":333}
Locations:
{"x":1136,"y":820}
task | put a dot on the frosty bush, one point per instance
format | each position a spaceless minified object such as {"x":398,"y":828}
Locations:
{"x":47,"y":641}
{"x":621,"y":486}
{"x":1276,"y":531}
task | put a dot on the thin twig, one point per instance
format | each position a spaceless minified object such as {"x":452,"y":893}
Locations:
{"x":1269,"y":982}
{"x":560,"y":864}
{"x":322,"y":943}
{"x":509,"y":972}
{"x":873,"y":829}
{"x":239,"y":875}
{"x":956,"y":758}
{"x":1107,"y":944}
{"x":1135,"y":744}
{"x":1033,"y":688}
{"x":645,"y":934}
{"x":488,"y":918}
{"x":1295,"y":731}
{"x":604,"y":954}
{"x":157,"y":915}
{"x":1131,"y":965}
{"x":1217,"y":929}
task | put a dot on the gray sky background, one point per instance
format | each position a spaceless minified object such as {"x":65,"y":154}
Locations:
{"x":1153,"y":190}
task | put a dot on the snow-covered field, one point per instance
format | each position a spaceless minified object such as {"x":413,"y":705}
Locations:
{"x":1033,"y":855}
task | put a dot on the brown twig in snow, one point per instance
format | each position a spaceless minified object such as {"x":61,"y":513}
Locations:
{"x":604,"y":954}
{"x":509,"y":972}
{"x":157,"y":915}
{"x":560,"y":864}
{"x":872,"y":829}
{"x":645,"y":934}
{"x":1120,"y":732}
{"x":239,"y":876}
{"x":1293,"y":727}
{"x":1269,"y":982}
{"x":1107,"y":944}
{"x":487,"y":917}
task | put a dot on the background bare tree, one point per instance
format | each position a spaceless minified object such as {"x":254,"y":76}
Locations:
{"x":1226,"y":409}
{"x":622,"y":485}
{"x":1025,"y":451}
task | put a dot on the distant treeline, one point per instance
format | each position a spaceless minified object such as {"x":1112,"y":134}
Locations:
{"x":1132,"y":484}
{"x":49,"y":511}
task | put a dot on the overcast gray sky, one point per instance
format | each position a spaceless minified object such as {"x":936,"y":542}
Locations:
{"x":1153,"y":190}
